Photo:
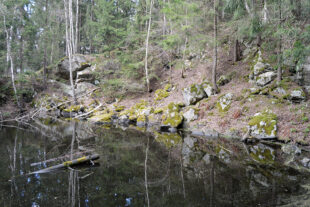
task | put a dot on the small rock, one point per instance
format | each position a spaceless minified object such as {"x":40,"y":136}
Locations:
{"x":207,"y":87}
{"x":207,"y":159}
{"x":263,"y":125}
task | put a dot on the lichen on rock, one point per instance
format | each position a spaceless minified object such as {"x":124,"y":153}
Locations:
{"x":224,"y":102}
{"x":263,"y":125}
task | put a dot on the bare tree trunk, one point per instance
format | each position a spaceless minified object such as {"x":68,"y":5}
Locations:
{"x":21,"y":55}
{"x":76,"y":27}
{"x":8,"y":47}
{"x":185,"y":45}
{"x":69,"y":41}
{"x":215,"y":49}
{"x":164,"y":21}
{"x":247,"y":8}
{"x":236,"y":51}
{"x":279,"y":75}
{"x":265,"y":13}
{"x":45,"y":45}
{"x":9,"y":35}
{"x":147,"y":48}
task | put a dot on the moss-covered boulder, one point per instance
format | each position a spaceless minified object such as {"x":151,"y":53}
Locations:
{"x":191,"y":113}
{"x":263,"y":125}
{"x":135,"y":110}
{"x":78,"y":63}
{"x":207,"y":87}
{"x":171,"y":116}
{"x":193,"y":94}
{"x":224,"y":102}
{"x":105,"y":117}
{"x":142,"y":115}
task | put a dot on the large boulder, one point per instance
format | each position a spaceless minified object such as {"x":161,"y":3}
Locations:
{"x":193,"y":94}
{"x":265,"y":78}
{"x":78,"y":63}
{"x":263,"y":125}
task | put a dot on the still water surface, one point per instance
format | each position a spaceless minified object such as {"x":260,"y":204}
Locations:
{"x":137,"y":169}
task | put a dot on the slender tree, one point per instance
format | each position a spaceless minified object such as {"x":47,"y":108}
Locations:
{"x":147,"y":48}
{"x":69,"y":41}
{"x":215,"y":48}
{"x":279,"y":75}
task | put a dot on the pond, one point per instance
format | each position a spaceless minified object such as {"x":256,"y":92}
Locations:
{"x":139,"y":168}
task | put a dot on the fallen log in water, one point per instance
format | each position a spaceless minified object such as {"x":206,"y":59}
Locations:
{"x":67,"y":164}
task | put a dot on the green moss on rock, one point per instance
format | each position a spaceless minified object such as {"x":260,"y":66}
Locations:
{"x":263,"y":125}
{"x":171,"y":116}
{"x":161,"y":94}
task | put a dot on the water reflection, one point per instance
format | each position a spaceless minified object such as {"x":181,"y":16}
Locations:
{"x":139,"y":170}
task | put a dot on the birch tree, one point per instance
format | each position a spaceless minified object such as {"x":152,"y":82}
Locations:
{"x":9,"y":58}
{"x":70,"y":41}
{"x":147,"y":48}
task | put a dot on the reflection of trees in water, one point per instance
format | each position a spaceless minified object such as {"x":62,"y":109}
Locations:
{"x":134,"y":168}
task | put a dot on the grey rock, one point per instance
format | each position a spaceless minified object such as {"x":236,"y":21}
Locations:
{"x":190,"y":114}
{"x":297,"y":95}
{"x":206,"y":159}
{"x":78,"y":64}
{"x":305,"y":162}
{"x":265,"y":78}
{"x":84,"y":87}
{"x":193,"y":94}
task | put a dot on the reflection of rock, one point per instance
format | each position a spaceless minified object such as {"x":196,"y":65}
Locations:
{"x":169,"y":139}
{"x":305,"y":162}
{"x":207,"y":159}
{"x":262,"y":154}
{"x":223,"y":154}
{"x":291,"y":149}
{"x":188,"y":151}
